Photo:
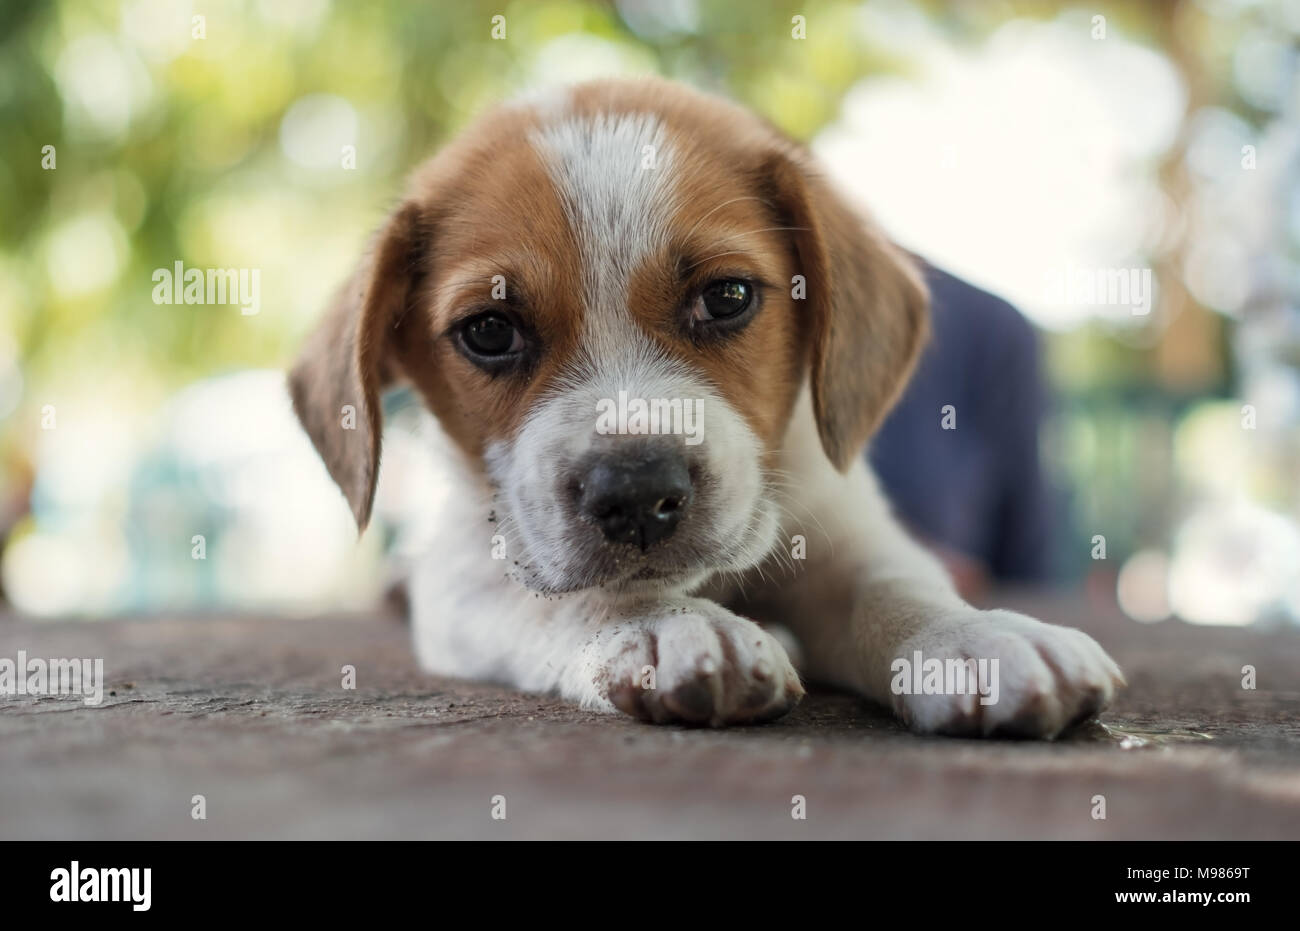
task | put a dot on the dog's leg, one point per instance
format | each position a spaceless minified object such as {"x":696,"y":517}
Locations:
{"x":866,"y":595}
{"x":674,"y":658}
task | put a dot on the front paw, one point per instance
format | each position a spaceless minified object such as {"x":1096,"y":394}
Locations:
{"x":1046,"y":678}
{"x":696,"y":664}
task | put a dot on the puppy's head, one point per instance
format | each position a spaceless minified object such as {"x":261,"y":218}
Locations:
{"x":611,"y":300}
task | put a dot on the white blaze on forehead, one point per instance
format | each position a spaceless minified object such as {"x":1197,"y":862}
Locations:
{"x":614,"y":173}
{"x":614,"y":176}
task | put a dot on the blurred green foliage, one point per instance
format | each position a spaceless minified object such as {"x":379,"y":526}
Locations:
{"x":168,"y":147}
{"x":209,"y":150}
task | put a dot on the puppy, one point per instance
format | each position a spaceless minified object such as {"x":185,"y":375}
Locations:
{"x":574,"y":261}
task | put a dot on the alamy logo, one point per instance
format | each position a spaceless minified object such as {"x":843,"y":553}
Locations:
{"x":181,"y":285}
{"x":921,"y":676}
{"x":90,"y":884}
{"x":682,"y":416}
{"x":1100,"y":287}
{"x":37,"y":676}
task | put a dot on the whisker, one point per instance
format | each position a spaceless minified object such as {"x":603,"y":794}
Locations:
{"x":734,"y":200}
{"x":733,"y":236}
{"x":712,"y":257}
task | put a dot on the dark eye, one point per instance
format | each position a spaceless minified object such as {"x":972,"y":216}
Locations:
{"x":491,"y":336}
{"x":722,"y":300}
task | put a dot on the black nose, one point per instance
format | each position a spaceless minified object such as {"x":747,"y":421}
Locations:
{"x":637,"y":498}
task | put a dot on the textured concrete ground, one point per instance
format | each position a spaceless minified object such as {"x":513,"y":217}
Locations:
{"x":250,"y":713}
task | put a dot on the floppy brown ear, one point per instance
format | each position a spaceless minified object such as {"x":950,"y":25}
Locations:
{"x":869,"y":308}
{"x":348,"y":361}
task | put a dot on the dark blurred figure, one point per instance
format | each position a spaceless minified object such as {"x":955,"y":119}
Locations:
{"x":976,"y":494}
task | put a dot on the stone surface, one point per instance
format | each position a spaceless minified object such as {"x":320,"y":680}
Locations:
{"x":250,"y":713}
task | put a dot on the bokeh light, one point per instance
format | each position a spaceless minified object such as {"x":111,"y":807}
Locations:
{"x":1005,"y":142}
